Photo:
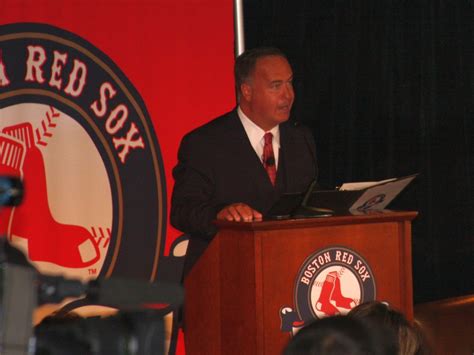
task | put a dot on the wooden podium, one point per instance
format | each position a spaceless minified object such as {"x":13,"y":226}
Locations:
{"x":252,"y":273}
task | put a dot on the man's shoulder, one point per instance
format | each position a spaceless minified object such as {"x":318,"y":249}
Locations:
{"x":295,"y":129}
{"x":215,"y":127}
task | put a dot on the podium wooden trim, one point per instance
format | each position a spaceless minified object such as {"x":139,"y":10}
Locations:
{"x":248,"y":272}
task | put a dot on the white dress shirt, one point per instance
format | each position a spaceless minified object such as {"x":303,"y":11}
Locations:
{"x":255,"y":135}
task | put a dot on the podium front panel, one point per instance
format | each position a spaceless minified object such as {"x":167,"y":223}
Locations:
{"x":258,"y":282}
{"x":282,"y":263}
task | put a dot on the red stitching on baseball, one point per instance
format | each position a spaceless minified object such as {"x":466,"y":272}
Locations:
{"x":45,"y":129}
{"x":38,"y":138}
{"x":54,"y":113}
{"x":100,"y":235}
{"x":45,"y":125}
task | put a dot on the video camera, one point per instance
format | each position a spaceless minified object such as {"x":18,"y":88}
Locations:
{"x":134,"y":330}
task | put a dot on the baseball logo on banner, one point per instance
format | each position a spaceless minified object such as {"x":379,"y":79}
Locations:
{"x":78,"y":134}
{"x":330,"y":281}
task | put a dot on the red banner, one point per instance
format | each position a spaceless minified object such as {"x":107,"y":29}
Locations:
{"x":94,"y":99}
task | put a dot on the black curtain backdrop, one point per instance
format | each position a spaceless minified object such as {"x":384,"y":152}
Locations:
{"x":388,"y":90}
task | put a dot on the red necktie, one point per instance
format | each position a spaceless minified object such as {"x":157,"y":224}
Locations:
{"x":269,"y":157}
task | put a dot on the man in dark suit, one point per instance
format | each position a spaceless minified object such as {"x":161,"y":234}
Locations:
{"x":237,"y":166}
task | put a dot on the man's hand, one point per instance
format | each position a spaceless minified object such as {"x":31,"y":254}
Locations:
{"x":239,"y":212}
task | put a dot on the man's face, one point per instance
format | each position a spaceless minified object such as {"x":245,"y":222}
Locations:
{"x":268,"y":96}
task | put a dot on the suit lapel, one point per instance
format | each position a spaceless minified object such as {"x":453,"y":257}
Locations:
{"x":244,"y":152}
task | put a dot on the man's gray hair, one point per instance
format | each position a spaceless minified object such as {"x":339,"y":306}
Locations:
{"x":245,"y":64}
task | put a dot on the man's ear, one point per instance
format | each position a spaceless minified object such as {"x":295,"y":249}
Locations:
{"x":246,"y":91}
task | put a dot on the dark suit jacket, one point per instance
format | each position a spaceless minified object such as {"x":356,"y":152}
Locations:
{"x":217,"y":166}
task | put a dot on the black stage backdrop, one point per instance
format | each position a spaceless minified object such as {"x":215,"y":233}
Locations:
{"x":388,"y":90}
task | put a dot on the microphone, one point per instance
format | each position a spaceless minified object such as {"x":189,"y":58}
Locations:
{"x":54,"y":289}
{"x":270,"y":161}
{"x":127,"y":292}
{"x":311,"y":149}
{"x":304,"y":208}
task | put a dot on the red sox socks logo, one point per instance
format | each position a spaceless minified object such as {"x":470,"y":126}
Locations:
{"x":330,"y":282}
{"x":78,"y":134}
{"x":331,"y":298}
{"x":21,"y":147}
{"x":371,"y":203}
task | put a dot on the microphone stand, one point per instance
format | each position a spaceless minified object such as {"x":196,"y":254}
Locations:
{"x":305,"y":211}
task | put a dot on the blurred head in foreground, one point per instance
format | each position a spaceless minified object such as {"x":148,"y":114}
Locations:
{"x":342,"y":335}
{"x":409,"y":335}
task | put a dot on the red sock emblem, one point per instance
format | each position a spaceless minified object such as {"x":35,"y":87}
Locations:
{"x":48,"y":240}
{"x":331,"y":296}
{"x":337,"y":298}
{"x":324,"y":302}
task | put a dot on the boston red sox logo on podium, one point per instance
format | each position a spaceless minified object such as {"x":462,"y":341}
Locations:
{"x":330,"y":281}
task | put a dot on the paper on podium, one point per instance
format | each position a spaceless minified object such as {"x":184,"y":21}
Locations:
{"x":377,"y":195}
{"x":361,"y":196}
{"x":349,"y":186}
